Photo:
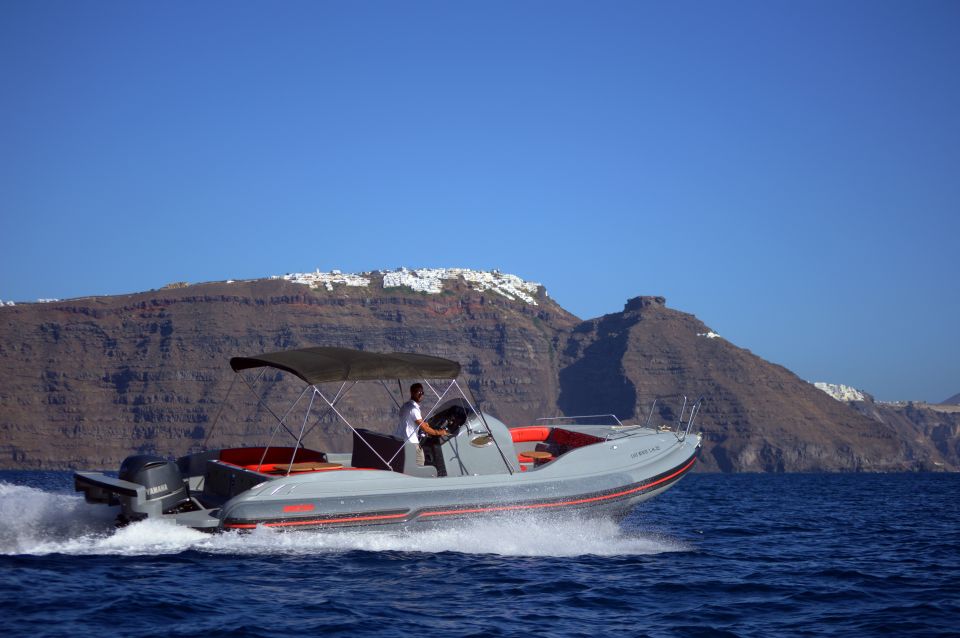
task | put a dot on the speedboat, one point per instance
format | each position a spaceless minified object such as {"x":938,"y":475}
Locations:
{"x":481,"y":468}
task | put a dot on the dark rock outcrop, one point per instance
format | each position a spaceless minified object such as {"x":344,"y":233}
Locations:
{"x":86,"y":382}
{"x":757,"y":416}
{"x":930,"y":433}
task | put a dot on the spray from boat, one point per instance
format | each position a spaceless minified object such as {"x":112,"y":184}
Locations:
{"x":51,"y":523}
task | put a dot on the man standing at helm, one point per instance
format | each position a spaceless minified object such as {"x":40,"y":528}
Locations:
{"x":411,"y":421}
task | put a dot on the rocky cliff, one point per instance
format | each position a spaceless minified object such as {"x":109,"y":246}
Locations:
{"x":757,"y":416}
{"x":930,"y":433}
{"x":85,"y":382}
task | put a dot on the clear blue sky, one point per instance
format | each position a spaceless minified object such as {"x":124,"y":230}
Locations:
{"x":787,"y":171}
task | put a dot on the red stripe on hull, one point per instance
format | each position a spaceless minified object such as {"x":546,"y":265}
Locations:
{"x":476,"y":510}
{"x":323,"y":521}
{"x":592,"y":499}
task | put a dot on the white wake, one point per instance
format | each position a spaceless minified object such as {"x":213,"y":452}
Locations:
{"x":36,"y":522}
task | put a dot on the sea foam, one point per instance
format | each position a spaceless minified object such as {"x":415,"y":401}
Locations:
{"x":38,"y":522}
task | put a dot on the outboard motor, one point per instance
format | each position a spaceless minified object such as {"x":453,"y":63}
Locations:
{"x":164,"y":484}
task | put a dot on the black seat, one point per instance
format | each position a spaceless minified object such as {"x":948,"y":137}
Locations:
{"x":386,"y":446}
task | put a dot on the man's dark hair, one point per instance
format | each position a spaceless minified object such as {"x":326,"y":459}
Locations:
{"x":416,"y":386}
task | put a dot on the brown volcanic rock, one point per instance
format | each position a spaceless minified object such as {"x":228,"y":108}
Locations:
{"x":85,"y":382}
{"x":757,"y":416}
{"x":931,"y":433}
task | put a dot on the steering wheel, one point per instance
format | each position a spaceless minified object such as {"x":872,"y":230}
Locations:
{"x":451,"y":419}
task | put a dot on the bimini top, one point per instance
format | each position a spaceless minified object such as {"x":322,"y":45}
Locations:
{"x":321,"y":365}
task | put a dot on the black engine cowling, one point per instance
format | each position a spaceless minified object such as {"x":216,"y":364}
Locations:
{"x":160,"y":477}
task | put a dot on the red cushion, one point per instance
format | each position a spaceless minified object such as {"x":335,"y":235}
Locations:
{"x":267,"y":468}
{"x":529,"y":433}
{"x":566,"y":438}
{"x":251,"y":455}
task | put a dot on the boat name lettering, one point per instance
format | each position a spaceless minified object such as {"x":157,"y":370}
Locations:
{"x":156,"y":489}
{"x":649,"y":450}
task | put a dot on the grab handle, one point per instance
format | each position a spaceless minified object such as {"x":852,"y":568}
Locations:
{"x":683,"y":429}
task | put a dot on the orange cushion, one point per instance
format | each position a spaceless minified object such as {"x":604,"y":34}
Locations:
{"x":266,"y":467}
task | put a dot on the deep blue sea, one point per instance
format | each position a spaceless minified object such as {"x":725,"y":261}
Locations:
{"x":717,"y":555}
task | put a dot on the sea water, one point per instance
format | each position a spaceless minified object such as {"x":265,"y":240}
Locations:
{"x":717,"y":555}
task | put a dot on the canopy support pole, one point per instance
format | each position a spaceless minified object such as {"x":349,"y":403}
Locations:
{"x":439,"y":396}
{"x":277,"y":429}
{"x":384,"y":384}
{"x":216,"y":419}
{"x":353,"y":429}
{"x":303,"y":427}
{"x":486,"y":425}
{"x":260,"y":401}
{"x":335,"y":399}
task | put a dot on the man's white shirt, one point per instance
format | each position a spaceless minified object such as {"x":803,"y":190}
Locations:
{"x":409,"y":415}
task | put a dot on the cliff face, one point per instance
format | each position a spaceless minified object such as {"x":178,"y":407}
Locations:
{"x":86,"y":382}
{"x":757,"y":416}
{"x":930,"y":433}
{"x":83,"y":383}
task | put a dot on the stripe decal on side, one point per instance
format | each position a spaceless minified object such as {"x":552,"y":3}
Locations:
{"x":671,"y":476}
{"x":319,"y":521}
{"x":580,"y":501}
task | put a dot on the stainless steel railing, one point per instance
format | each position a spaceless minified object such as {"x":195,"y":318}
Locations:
{"x":694,"y":410}
{"x":583,"y":416}
{"x":685,"y":420}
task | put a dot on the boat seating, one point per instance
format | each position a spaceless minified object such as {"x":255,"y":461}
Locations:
{"x":565,"y":440}
{"x":386,"y":446}
{"x":534,"y":457}
{"x":529,"y":433}
{"x":223,"y":480}
{"x":528,"y":439}
{"x":297,"y":468}
{"x":250,"y":457}
{"x":537,"y":445}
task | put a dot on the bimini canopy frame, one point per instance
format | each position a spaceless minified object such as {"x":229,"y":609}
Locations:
{"x":324,"y":365}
